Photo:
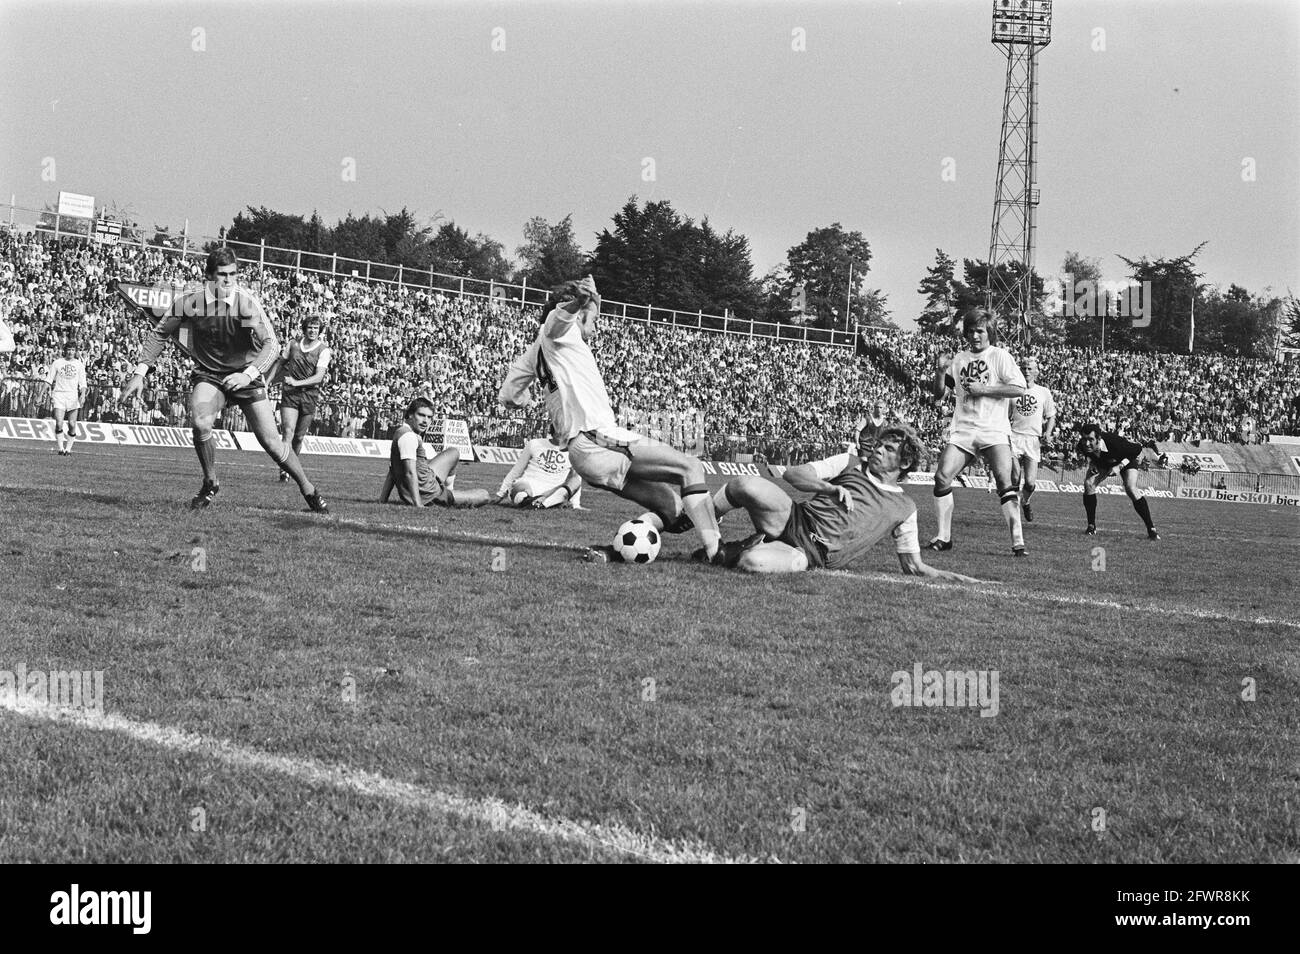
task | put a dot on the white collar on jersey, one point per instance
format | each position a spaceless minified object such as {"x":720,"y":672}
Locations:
{"x":888,"y":488}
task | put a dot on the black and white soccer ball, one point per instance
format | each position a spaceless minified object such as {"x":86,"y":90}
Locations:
{"x":637,"y":542}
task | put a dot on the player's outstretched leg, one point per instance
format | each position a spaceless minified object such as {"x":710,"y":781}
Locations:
{"x":655,"y":462}
{"x":206,"y":402}
{"x":288,"y":425}
{"x":1139,"y":502}
{"x":998,"y":457}
{"x":769,"y":508}
{"x":444,"y":466}
{"x":258,"y":414}
{"x":951,"y":461}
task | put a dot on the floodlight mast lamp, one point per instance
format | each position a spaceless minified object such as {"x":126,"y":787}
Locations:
{"x":1021,"y":28}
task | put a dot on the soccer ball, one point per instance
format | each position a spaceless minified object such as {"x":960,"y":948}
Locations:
{"x":637,"y":542}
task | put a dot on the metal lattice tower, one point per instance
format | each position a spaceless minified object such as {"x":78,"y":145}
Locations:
{"x":1021,"y":28}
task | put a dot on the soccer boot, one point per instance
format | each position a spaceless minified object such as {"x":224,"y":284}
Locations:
{"x":203,"y":499}
{"x":1091,"y":531}
{"x":680,"y":525}
{"x":284,"y":478}
{"x":1152,"y":535}
{"x":728,"y":554}
{"x":317,"y":503}
{"x":1019,"y":551}
{"x":938,"y":545}
{"x":603,"y":553}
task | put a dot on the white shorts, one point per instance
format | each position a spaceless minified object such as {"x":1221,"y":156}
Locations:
{"x":1025,"y":445}
{"x":972,"y":439}
{"x":533,"y":488}
{"x":603,"y":456}
{"x":66,"y":402}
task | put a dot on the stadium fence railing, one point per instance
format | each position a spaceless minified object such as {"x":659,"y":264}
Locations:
{"x":416,"y":279}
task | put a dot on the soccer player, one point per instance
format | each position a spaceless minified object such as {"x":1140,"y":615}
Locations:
{"x":233,"y":346}
{"x":649,"y":472}
{"x":984,"y":378}
{"x":1109,"y":454}
{"x":421,"y":479}
{"x":858,"y":501}
{"x":541,"y":478}
{"x":67,"y":381}
{"x":1033,"y":417}
{"x":305,"y":364}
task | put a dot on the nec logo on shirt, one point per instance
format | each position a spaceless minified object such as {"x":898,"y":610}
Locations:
{"x":975,"y":372}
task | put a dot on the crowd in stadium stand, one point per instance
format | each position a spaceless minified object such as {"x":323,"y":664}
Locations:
{"x":786,"y":401}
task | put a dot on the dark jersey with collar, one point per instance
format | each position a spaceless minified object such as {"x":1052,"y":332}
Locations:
{"x":1116,"y":450}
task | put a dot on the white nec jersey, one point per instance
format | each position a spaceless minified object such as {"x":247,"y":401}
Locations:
{"x":1029,"y":410}
{"x":548,"y":466}
{"x":566,"y":369}
{"x":67,"y":377}
{"x":990,"y":366}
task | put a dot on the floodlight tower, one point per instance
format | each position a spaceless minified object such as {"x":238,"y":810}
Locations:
{"x":1021,"y":28}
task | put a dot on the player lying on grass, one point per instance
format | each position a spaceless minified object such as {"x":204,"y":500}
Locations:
{"x":857,"y":501}
{"x":984,"y":378}
{"x":423,"y":479}
{"x":541,"y":478}
{"x":233,"y":345}
{"x":1109,"y":454}
{"x":638,"y":468}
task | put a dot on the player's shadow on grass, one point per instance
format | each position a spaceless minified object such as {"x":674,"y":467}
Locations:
{"x":431,"y":534}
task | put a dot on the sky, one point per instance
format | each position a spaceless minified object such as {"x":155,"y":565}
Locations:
{"x":1163,"y":123}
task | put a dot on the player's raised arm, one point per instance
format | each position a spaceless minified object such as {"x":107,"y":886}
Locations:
{"x":519,"y":378}
{"x":943,"y":381}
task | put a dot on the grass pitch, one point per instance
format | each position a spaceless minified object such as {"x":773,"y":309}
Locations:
{"x":366,"y":687}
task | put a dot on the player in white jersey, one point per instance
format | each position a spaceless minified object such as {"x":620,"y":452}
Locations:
{"x":1033,"y":417}
{"x":542,"y":477}
{"x":67,"y":380}
{"x":647,"y":471}
{"x":984,"y":378}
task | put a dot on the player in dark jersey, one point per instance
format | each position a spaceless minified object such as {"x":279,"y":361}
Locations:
{"x":305,"y":365}
{"x":1109,"y":454}
{"x":226,"y":331}
{"x":422,"y":480}
{"x":857,"y":501}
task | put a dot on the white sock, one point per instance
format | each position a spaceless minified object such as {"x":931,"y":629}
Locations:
{"x":1011,"y":513}
{"x":700,"y":507}
{"x":943,"y":511}
{"x":722,"y":503}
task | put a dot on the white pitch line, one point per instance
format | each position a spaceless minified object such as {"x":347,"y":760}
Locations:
{"x":1023,"y":595}
{"x":1004,"y":592}
{"x":492,"y":812}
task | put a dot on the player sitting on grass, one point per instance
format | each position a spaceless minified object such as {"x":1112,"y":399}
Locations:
{"x":541,"y":478}
{"x":857,"y":501}
{"x":421,"y":479}
{"x":1109,"y":454}
{"x":635,"y":467}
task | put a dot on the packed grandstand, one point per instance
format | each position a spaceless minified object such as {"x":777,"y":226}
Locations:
{"x":393,"y":341}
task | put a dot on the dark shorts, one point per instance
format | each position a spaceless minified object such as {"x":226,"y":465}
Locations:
{"x":303,"y":401}
{"x":249,"y":394}
{"x":1094,"y":471}
{"x":801,"y":532}
{"x":443,"y":498}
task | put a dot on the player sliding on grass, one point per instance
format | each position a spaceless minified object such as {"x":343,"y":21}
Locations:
{"x":233,"y":346}
{"x":984,"y":378}
{"x":647,"y":471}
{"x":423,"y":480}
{"x":858,"y":501}
{"x":1109,"y":454}
{"x":542,"y":478}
